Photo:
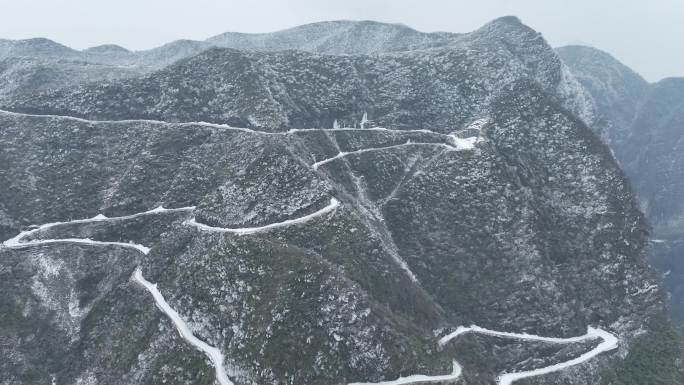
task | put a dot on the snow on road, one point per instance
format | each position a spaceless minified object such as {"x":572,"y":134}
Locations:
{"x":213,"y":353}
{"x":18,"y":241}
{"x":521,"y":336}
{"x":369,"y":129}
{"x":216,"y":125}
{"x":610,"y":342}
{"x":182,"y":124}
{"x":334,"y":203}
{"x":456,"y":147}
{"x":419,"y":378}
{"x":81,"y":241}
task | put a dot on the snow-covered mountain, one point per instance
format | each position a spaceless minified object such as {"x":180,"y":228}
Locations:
{"x":337,"y":38}
{"x":428,"y":207}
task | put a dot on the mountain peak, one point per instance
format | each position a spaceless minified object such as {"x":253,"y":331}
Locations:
{"x":510,"y":20}
{"x":34,"y":47}
{"x":506,"y":27}
{"x":107,"y":49}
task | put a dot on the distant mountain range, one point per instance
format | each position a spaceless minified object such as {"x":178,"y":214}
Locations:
{"x":337,"y":203}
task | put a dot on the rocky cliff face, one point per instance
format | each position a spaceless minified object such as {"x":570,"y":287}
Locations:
{"x":319,"y":248}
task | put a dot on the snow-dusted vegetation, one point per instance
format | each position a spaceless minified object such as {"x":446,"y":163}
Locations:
{"x":339,"y":211}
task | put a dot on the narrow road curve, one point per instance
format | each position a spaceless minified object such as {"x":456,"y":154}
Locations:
{"x":18,"y":241}
{"x":334,"y":203}
{"x":213,"y":353}
{"x":609,"y":342}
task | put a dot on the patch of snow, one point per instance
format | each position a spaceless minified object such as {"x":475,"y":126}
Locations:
{"x":465,"y":144}
{"x":364,"y":120}
{"x":75,"y":310}
{"x":478,"y":124}
{"x":48,"y":266}
{"x":645,"y":290}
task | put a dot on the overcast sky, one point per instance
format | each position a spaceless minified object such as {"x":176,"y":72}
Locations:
{"x":647,"y":35}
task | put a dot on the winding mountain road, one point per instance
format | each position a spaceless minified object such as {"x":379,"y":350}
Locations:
{"x":609,"y":341}
{"x":19,"y":242}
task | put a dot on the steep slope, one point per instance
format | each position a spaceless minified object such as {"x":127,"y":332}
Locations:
{"x":655,"y":165}
{"x":654,"y":149}
{"x":643,"y":124}
{"x":310,"y":252}
{"x":616,"y":90}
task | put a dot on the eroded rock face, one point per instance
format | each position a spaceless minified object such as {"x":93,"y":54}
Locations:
{"x":504,"y":211}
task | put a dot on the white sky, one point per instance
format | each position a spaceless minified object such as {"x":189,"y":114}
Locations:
{"x":647,"y":35}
